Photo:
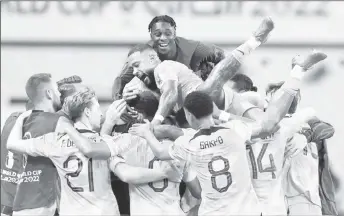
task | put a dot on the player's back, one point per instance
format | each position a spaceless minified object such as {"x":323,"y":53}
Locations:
{"x":218,"y":155}
{"x":188,"y":81}
{"x":85,"y":182}
{"x":266,"y":158}
{"x":154,"y":198}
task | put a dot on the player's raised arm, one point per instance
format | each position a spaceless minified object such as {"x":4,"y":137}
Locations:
{"x":283,"y":98}
{"x":139,"y":175}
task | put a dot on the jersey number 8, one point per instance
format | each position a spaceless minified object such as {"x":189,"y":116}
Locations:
{"x":77,"y":172}
{"x":224,"y":172}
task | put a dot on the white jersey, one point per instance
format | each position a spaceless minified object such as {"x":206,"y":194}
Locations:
{"x":301,"y":186}
{"x":266,"y":158}
{"x":187,"y":80}
{"x":218,"y":155}
{"x":155,"y":198}
{"x":85,"y":182}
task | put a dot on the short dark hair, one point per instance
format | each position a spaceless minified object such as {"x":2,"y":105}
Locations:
{"x":75,"y":104}
{"x":66,"y":90}
{"x":34,"y":83}
{"x":69,"y":80}
{"x":245,"y":83}
{"x":199,"y":104}
{"x":146,"y":103}
{"x":162,"y":18}
{"x":272,"y":87}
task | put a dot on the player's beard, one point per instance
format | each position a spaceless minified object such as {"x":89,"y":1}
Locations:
{"x":57,"y":105}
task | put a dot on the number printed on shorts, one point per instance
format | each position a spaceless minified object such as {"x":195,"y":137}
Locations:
{"x":77,"y":172}
{"x":272,"y":169}
{"x":150,"y":184}
{"x":225,"y":172}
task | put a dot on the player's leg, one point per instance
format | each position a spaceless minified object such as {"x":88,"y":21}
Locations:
{"x":227,"y":68}
{"x":283,"y":98}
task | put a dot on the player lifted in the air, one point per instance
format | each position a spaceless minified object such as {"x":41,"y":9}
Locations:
{"x":175,"y":81}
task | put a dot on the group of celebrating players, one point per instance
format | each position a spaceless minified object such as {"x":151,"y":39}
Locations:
{"x":175,"y":121}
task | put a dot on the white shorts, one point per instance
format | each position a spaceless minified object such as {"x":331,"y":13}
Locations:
{"x":305,"y":209}
{"x":43,"y":211}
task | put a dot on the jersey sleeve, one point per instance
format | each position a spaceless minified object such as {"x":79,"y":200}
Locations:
{"x":114,"y":161}
{"x":241,"y":128}
{"x":166,"y":71}
{"x":41,"y":146}
{"x":121,"y":143}
{"x":178,"y":151}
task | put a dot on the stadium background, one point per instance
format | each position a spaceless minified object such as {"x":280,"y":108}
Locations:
{"x":91,"y":39}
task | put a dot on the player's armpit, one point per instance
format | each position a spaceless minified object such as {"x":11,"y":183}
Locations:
{"x":168,"y":98}
{"x":138,"y":175}
{"x":89,"y":148}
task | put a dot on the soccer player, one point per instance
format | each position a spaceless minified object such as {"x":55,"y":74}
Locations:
{"x":156,"y":198}
{"x":193,"y":54}
{"x":11,"y":165}
{"x":218,"y":155}
{"x":85,"y":180}
{"x":12,"y":162}
{"x":37,"y":189}
{"x":175,"y":80}
{"x":301,"y":190}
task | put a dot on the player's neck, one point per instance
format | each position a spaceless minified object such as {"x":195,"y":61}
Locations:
{"x":82,"y":124}
{"x":44,"y":106}
{"x":205,"y":123}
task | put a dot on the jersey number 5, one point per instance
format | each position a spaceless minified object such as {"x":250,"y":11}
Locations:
{"x":150,"y":184}
{"x":77,"y":172}
{"x":270,"y":169}
{"x":224,"y":172}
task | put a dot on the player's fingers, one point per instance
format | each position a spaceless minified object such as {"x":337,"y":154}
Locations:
{"x":121,"y":107}
{"x":25,"y":114}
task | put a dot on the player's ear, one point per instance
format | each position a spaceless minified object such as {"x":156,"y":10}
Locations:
{"x":49,"y":94}
{"x":87,"y":111}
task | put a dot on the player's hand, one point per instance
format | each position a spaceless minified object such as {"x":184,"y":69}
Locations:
{"x":25,"y":114}
{"x":133,"y":88}
{"x":114,"y":112}
{"x":172,"y":172}
{"x":141,"y":130}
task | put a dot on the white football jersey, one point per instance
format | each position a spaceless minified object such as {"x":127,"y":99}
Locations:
{"x":218,"y":155}
{"x":155,"y":198}
{"x":266,"y":157}
{"x":85,"y":182}
{"x":187,"y":80}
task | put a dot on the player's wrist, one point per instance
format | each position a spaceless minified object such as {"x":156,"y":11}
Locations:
{"x":158,"y":118}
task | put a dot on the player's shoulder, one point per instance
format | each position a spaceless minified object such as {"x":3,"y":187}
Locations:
{"x":11,"y":119}
{"x":242,"y":128}
{"x":168,"y":64}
